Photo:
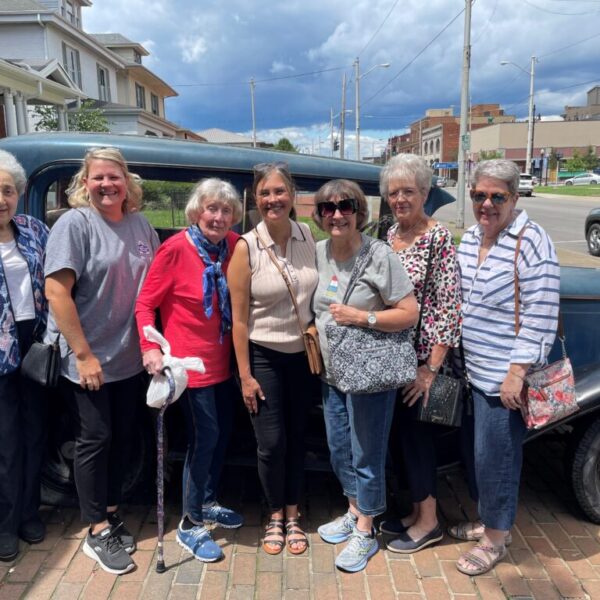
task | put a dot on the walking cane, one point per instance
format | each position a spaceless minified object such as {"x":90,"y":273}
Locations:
{"x":160,"y":481}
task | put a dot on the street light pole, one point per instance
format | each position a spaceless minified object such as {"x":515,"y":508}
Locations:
{"x":531,"y":115}
{"x":357,"y":78}
{"x":253,"y":114}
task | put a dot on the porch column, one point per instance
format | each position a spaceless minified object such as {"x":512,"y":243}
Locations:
{"x":19,"y":101}
{"x":10,"y":113}
{"x":62,"y":118}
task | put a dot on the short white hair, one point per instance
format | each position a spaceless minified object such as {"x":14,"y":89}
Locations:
{"x":212,"y":188}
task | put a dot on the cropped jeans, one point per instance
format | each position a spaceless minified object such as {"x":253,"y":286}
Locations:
{"x":499,"y":435}
{"x":208,"y":413}
{"x":358,"y":428}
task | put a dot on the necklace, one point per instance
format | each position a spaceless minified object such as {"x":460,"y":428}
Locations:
{"x":403,"y":234}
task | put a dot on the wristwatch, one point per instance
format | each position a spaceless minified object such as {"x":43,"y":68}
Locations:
{"x":431,"y":368}
{"x":371,"y":319}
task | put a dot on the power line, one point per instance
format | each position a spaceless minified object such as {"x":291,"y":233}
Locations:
{"x":379,"y":28}
{"x":297,"y":75}
{"x":410,"y":62}
{"x":554,"y":12}
{"x":570,"y":45}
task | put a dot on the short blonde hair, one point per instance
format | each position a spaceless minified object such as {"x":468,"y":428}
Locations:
{"x":217,"y":189}
{"x":342,"y":189}
{"x":77,"y":191}
{"x":403,"y":166}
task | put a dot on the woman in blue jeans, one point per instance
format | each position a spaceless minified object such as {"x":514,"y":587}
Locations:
{"x":186,"y":281}
{"x":496,"y":359}
{"x":358,"y":425}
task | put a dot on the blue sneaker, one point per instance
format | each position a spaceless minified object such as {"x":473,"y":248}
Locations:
{"x":224,"y":517}
{"x":355,"y":556}
{"x":198,"y":543}
{"x":338,"y":530}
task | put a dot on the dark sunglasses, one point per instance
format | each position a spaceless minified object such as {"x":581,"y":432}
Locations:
{"x":496,"y":197}
{"x":270,"y":166}
{"x":347,"y":206}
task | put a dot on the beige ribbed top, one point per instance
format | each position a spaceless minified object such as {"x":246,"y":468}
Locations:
{"x":272,"y":320}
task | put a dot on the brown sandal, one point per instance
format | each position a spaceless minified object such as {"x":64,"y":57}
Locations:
{"x":295,"y":535}
{"x":274,"y":536}
{"x":490,"y":556}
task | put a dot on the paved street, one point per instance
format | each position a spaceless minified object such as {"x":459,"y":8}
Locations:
{"x":555,"y":553}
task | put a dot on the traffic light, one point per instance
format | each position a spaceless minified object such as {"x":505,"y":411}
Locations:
{"x":336,"y":145}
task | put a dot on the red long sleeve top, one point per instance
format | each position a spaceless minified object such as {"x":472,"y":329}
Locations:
{"x":174,"y":286}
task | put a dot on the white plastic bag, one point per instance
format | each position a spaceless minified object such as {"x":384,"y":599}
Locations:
{"x":158,"y":390}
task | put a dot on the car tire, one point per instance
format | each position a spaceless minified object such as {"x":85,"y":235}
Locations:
{"x":593,"y":239}
{"x":585,"y":471}
{"x":568,"y":183}
{"x":58,"y":482}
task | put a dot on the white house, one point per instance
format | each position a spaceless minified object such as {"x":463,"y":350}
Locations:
{"x":45,"y":40}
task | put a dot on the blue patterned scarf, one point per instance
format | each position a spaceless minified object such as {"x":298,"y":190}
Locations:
{"x":213,"y":276}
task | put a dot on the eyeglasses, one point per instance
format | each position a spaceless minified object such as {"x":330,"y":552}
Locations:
{"x":347,"y":206}
{"x":496,"y":197}
{"x":270,"y":166}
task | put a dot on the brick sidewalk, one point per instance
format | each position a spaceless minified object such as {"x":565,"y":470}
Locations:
{"x":555,"y":552}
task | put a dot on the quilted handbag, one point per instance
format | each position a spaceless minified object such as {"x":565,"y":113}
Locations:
{"x":549,"y":392}
{"x":366,"y":361}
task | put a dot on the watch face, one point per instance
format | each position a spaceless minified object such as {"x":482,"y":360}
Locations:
{"x":371,"y":319}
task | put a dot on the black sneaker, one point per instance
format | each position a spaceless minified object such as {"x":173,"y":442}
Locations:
{"x":120,"y":531}
{"x":106,"y":549}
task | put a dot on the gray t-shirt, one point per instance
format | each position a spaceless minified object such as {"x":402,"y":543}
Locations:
{"x":110,"y":261}
{"x":384,"y":282}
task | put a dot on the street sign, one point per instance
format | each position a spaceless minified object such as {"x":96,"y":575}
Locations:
{"x":466,"y":141}
{"x":444,"y":165}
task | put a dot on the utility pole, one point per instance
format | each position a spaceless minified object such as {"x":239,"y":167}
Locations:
{"x":252,"y":84}
{"x":343,"y":116}
{"x":464,"y":142}
{"x":530,"y":118}
{"x":357,"y":105}
{"x":331,"y":130}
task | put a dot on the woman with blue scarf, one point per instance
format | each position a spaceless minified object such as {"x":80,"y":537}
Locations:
{"x":186,"y":282}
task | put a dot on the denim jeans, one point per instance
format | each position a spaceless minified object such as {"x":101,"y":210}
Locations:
{"x":358,"y":428}
{"x":208,"y":414}
{"x":499,"y":435}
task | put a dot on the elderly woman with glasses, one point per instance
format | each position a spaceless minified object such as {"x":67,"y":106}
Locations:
{"x":358,"y":425}
{"x":277,"y":386}
{"x":497,"y":359}
{"x":427,"y":252}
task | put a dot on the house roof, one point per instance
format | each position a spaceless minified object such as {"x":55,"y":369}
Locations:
{"x":220,"y":136}
{"x":21,"y":5}
{"x":116,"y":40}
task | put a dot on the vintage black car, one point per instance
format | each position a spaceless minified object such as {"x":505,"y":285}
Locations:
{"x":169,"y":168}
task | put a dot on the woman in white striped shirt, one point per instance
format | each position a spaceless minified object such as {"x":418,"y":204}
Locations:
{"x":497,"y":359}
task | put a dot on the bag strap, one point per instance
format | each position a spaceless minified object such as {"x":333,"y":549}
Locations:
{"x":283,"y":274}
{"x":362,"y":260}
{"x":561,"y":331}
{"x":426,"y":280}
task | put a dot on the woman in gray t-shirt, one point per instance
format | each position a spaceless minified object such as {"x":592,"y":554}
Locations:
{"x":97,"y":256}
{"x":358,"y":425}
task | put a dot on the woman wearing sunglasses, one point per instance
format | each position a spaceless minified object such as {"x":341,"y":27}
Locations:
{"x":496,"y":359}
{"x":427,"y":253}
{"x":358,"y":425}
{"x":277,"y":386}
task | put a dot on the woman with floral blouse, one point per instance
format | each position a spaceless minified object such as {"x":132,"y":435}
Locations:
{"x":405,"y":182}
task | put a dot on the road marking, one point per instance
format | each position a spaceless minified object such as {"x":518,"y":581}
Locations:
{"x":569,"y":242}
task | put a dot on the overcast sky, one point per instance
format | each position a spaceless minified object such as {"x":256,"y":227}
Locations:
{"x":298,"y":51}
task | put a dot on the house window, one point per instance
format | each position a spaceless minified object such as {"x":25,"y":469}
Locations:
{"x":154,"y":104}
{"x":72,"y":64}
{"x":103,"y":84}
{"x":137,"y":57}
{"x":140,"y":96}
{"x":70,"y":12}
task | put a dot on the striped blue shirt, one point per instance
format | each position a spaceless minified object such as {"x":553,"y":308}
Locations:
{"x":489,"y":339}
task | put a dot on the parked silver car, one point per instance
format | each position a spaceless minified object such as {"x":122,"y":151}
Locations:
{"x":525,"y":184}
{"x":583,"y":179}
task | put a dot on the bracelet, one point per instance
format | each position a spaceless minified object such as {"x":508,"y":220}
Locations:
{"x":431,"y":368}
{"x":516,"y":375}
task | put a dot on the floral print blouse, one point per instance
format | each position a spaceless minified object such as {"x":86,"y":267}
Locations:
{"x":441,"y":321}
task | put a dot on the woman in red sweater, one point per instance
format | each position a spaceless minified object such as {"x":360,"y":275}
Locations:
{"x":186,"y":282}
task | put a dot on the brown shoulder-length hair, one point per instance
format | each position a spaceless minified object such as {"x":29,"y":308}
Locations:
{"x":264,"y":170}
{"x":342,"y":189}
{"x":77,"y":191}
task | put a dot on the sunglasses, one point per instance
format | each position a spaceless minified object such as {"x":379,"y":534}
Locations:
{"x":496,"y":197}
{"x":347,"y":206}
{"x":270,"y":166}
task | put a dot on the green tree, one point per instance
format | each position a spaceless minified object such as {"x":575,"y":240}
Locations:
{"x":590,"y":160}
{"x":576,"y":162}
{"x":84,"y":118}
{"x":285,"y":145}
{"x":489,"y":154}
